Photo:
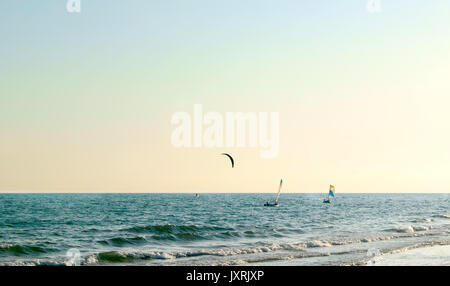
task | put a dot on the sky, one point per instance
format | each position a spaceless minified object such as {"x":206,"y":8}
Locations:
{"x":86,"y":99}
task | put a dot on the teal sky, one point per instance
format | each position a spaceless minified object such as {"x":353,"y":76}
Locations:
{"x":86,"y":98}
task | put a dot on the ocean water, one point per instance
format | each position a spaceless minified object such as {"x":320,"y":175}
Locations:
{"x":217,"y":229}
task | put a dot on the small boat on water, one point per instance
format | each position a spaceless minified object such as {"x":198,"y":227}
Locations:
{"x":330,"y":195}
{"x":267,"y":204}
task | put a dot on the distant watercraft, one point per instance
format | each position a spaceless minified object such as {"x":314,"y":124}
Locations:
{"x":197,"y":195}
{"x":267,"y":204}
{"x":330,"y":195}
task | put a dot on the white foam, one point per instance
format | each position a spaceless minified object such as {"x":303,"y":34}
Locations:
{"x":442,"y":215}
{"x":406,"y":229}
{"x":318,"y":243}
{"x":423,"y":256}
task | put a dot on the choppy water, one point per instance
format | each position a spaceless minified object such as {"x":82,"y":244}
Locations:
{"x":217,"y":229}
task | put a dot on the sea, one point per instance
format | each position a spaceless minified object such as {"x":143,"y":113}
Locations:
{"x":218,"y":229}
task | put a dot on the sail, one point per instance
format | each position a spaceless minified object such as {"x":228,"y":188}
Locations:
{"x":279,"y":190}
{"x":331,"y":192}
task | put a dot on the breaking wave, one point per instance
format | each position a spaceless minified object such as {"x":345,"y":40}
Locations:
{"x":15,"y":249}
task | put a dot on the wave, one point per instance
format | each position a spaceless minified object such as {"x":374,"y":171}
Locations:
{"x":244,"y":254}
{"x":422,"y":220}
{"x":237,"y":255}
{"x":442,"y":215}
{"x":369,"y":260}
{"x":171,"y":229}
{"x":16,"y":249}
{"x":410,"y":229}
{"x":183,"y":232}
{"x":422,"y":228}
{"x":122,"y":241}
{"x":175,"y":233}
{"x":405,"y":229}
{"x":268,"y":259}
{"x":123,"y":256}
{"x":318,"y":243}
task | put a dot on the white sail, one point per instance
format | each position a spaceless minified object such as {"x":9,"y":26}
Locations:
{"x":279,"y":190}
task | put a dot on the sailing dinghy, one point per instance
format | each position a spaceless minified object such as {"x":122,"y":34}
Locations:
{"x":330,"y":195}
{"x":267,"y":204}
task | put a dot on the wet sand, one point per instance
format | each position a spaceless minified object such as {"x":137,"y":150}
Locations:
{"x":426,"y":256}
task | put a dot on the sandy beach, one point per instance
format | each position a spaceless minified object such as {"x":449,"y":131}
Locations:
{"x":426,"y":256}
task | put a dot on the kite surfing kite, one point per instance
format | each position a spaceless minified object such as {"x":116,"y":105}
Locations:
{"x":231,"y":159}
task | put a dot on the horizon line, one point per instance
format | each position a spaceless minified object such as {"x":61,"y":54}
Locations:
{"x":15,"y":192}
